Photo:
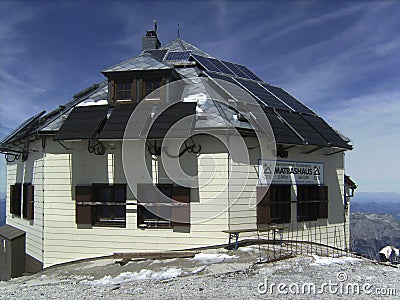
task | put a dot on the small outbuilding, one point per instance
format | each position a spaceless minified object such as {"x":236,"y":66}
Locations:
{"x":12,"y":252}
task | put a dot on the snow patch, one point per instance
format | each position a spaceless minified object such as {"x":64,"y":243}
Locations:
{"x":212,"y":257}
{"x":326,"y":261}
{"x":92,"y":103}
{"x":247,"y":249}
{"x":143,"y":274}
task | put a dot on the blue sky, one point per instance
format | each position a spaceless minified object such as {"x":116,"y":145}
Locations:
{"x":341,"y":58}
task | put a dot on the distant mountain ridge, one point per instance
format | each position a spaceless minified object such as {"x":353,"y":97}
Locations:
{"x":369,"y":233}
{"x":377,"y":203}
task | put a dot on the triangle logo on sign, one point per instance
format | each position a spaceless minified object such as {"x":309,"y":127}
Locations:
{"x":267,"y":170}
{"x":316,"y":171}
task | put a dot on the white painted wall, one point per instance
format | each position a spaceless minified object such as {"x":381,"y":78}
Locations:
{"x":54,"y":237}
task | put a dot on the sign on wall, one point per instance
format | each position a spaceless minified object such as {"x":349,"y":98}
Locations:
{"x":290,"y":172}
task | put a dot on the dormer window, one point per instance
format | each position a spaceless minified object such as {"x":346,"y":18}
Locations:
{"x":134,"y":90}
{"x":151,"y":86}
{"x":124,"y":90}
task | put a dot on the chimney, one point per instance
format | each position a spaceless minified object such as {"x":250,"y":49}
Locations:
{"x":150,"y":40}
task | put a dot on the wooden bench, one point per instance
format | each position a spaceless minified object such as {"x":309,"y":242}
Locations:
{"x":235,"y":233}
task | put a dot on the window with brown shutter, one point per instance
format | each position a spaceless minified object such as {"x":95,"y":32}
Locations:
{"x":101,"y":204}
{"x":28,"y":201}
{"x":110,"y":208}
{"x":312,"y":202}
{"x":15,"y":199}
{"x":274,"y":204}
{"x":160,"y":211}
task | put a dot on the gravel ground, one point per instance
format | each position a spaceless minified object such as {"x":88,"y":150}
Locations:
{"x":214,"y":274}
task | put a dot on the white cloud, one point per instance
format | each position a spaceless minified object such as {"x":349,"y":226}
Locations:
{"x":372,"y":122}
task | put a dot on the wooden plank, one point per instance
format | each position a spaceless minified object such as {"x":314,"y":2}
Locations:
{"x":269,"y":228}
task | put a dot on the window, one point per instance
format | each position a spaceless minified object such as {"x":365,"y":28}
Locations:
{"x":123,"y":90}
{"x":15,"y":199}
{"x":101,"y":204}
{"x":150,"y":86}
{"x":273,"y":205}
{"x":312,"y":202}
{"x":161,"y":213}
{"x":113,"y":209}
{"x":28,"y":201}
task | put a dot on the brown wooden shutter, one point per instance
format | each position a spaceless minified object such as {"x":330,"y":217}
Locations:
{"x":28,"y":201}
{"x":181,"y":213}
{"x":133,"y":91}
{"x":263,"y":205}
{"x":15,"y":199}
{"x":143,"y":89}
{"x":84,"y":213}
{"x":323,"y":202}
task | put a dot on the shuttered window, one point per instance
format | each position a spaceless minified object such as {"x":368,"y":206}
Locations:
{"x":312,"y":202}
{"x":101,"y":204}
{"x":28,"y":201}
{"x":273,"y":206}
{"x":15,"y":199}
{"x":110,"y":203}
{"x":161,"y":212}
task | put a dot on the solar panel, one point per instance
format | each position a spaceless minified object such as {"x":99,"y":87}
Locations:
{"x":235,"y":69}
{"x":221,"y":66}
{"x":116,"y":123}
{"x":238,"y":93}
{"x":326,"y":131}
{"x":266,"y":97}
{"x":206,"y":63}
{"x":295,"y":120}
{"x":249,"y":73}
{"x":170,"y":116}
{"x":23,"y":129}
{"x":288,"y":99}
{"x":283,"y":134}
{"x":82,"y":123}
{"x":177,"y":55}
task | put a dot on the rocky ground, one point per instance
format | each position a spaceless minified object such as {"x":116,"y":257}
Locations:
{"x":212,"y":274}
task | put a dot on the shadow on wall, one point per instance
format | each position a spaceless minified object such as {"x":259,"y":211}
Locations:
{"x":2,"y":212}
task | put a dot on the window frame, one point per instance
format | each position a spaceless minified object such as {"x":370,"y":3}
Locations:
{"x":312,"y":202}
{"x":269,"y":205}
{"x":176,"y":193}
{"x":126,"y":90}
{"x":99,"y":220}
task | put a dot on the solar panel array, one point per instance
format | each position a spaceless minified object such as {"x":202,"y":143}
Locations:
{"x":83,"y":122}
{"x":326,"y":131}
{"x":177,"y":55}
{"x":310,"y":134}
{"x":288,"y":99}
{"x":225,"y":67}
{"x":261,"y":93}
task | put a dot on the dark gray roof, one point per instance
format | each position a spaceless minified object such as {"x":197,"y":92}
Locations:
{"x":9,"y":232}
{"x":141,"y":63}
